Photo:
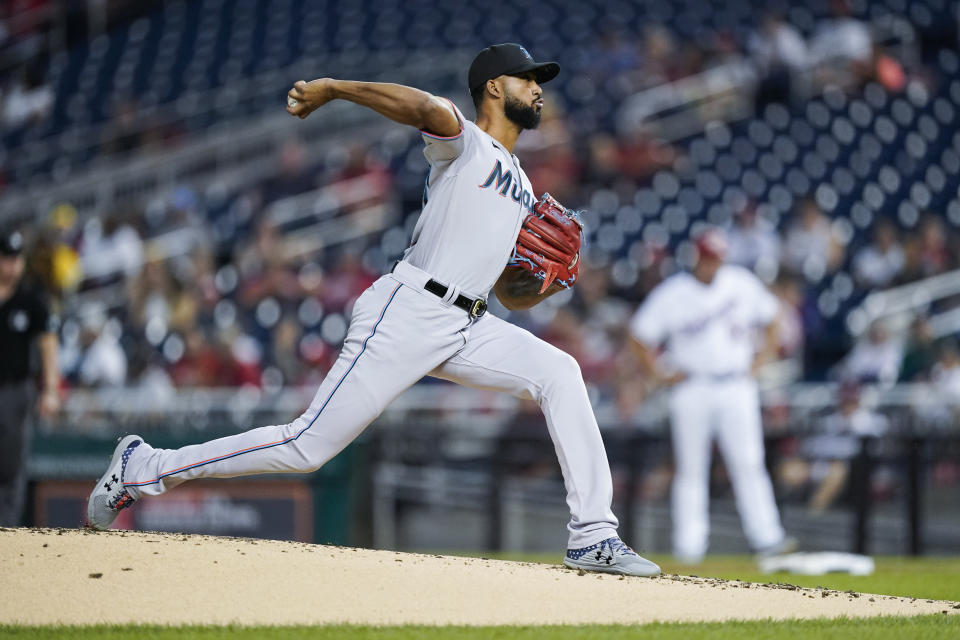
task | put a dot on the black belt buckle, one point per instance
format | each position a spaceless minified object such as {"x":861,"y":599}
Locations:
{"x":478,"y":308}
{"x":475,"y":308}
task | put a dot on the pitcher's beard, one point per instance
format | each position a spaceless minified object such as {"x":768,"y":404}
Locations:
{"x":525,"y":115}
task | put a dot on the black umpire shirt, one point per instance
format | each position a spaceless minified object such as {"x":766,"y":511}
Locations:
{"x":23,"y":316}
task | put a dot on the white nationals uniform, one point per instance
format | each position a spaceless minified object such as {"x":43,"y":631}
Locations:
{"x":710,"y":331}
{"x":475,"y":202}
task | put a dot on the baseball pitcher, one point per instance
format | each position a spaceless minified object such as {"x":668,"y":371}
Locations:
{"x":481,"y":228}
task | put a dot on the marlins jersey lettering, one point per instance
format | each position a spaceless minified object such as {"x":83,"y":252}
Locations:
{"x":708,"y":329}
{"x":475,"y":200}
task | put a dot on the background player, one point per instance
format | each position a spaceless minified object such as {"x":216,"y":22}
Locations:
{"x":427,"y":316}
{"x":25,"y":323}
{"x":708,"y":321}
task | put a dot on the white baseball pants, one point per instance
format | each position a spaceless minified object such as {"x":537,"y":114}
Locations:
{"x":399,"y":333}
{"x":728,"y":410}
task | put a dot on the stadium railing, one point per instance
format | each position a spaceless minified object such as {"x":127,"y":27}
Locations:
{"x":442,"y":459}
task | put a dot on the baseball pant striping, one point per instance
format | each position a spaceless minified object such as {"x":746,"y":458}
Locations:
{"x":399,"y":333}
{"x":730,"y":412}
{"x":503,"y":357}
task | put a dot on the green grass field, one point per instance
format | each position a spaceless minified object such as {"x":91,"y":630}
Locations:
{"x":926,"y":578}
{"x":935,"y":578}
{"x":918,"y":628}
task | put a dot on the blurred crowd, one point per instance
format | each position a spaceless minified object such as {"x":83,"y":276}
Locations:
{"x":161,"y":297}
{"x":207,"y":288}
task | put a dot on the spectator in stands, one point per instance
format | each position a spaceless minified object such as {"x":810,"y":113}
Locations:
{"x":202,"y":273}
{"x":754,"y":243}
{"x":723,"y":48}
{"x":780,"y":53}
{"x":229,"y":358}
{"x":149,"y":381}
{"x":345,"y":282}
{"x":241,"y":357}
{"x":55,"y":258}
{"x":103,"y":362}
{"x":933,"y":247}
{"x":926,"y":252}
{"x":691,"y":60}
{"x":595,"y":303}
{"x":266,"y":271}
{"x":946,"y":372}
{"x":361,"y":162}
{"x":262,"y":246}
{"x":565,"y":332}
{"x":875,"y":358}
{"x":639,"y":156}
{"x":28,"y":101}
{"x":294,"y":176}
{"x":659,"y":55}
{"x":613,"y":56}
{"x":156,"y":296}
{"x":823,"y":464}
{"x":26,"y":20}
{"x":184,"y":210}
{"x":112,"y":251}
{"x":790,"y":336}
{"x":284,"y":351}
{"x":201,"y":363}
{"x":888,"y":71}
{"x":879,"y":263}
{"x":125,"y":131}
{"x":841,"y":47}
{"x":149,"y":293}
{"x":812,"y":247}
{"x":920,"y":353}
{"x":602,"y":161}
{"x":913,"y":267}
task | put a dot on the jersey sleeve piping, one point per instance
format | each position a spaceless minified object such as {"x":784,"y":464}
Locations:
{"x":459,"y":122}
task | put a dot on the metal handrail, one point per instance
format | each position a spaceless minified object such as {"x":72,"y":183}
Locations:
{"x":447,"y":398}
{"x":899,"y":305}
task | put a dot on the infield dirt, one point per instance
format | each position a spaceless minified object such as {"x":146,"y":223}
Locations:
{"x":70,"y":576}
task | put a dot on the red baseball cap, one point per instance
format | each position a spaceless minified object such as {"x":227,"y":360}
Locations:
{"x":712,"y":243}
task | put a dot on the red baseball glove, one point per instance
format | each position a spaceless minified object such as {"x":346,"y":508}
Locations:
{"x":548,"y":246}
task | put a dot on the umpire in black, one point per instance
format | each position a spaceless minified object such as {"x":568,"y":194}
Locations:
{"x":26,"y":330}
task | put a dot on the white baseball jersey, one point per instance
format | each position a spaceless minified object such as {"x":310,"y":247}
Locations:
{"x":475,"y":200}
{"x":708,"y":329}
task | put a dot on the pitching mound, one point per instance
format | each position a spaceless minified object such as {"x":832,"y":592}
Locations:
{"x":60,"y":576}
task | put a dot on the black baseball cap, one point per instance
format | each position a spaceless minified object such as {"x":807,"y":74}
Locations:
{"x":508,"y":59}
{"x":11,"y":243}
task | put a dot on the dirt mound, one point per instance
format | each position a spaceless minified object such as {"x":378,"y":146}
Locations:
{"x":68,"y":576}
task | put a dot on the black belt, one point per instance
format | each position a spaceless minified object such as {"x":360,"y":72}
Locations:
{"x":475,"y":308}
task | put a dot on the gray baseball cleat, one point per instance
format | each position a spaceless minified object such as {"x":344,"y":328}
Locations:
{"x":109,"y":497}
{"x":789,"y":544}
{"x":611,"y":556}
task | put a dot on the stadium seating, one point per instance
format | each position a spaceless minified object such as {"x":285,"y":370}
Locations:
{"x":183,"y":49}
{"x":861,"y":156}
